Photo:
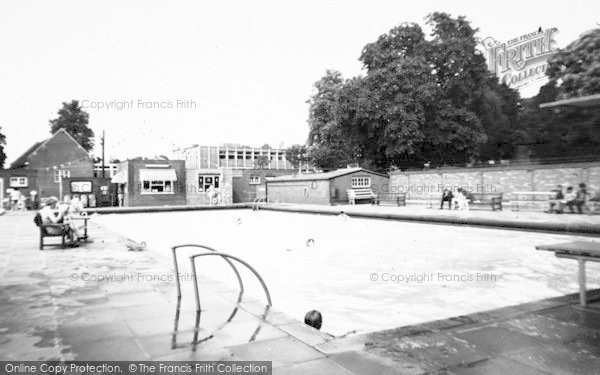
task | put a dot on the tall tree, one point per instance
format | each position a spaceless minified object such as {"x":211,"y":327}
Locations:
{"x":566,"y":132}
{"x":576,"y":69}
{"x":421,"y":100}
{"x":326,"y":137}
{"x":261,"y":161}
{"x":74,"y":120}
{"x":294,"y":154}
{"x":2,"y":144}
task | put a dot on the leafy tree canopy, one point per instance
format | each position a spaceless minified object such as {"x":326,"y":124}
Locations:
{"x":293,"y":152}
{"x":576,"y":69}
{"x":74,"y":120}
{"x":566,"y":132}
{"x":2,"y":144}
{"x":421,"y":100}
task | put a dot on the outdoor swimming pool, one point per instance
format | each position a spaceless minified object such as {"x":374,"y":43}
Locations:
{"x":365,"y":274}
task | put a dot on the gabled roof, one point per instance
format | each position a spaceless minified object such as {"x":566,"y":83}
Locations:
{"x":322,"y":176}
{"x":21,"y":160}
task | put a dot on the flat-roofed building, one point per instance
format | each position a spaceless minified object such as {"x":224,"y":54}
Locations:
{"x":232,"y":156}
{"x":237,"y":172}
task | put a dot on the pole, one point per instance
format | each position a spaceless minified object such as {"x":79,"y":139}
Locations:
{"x":60,"y":189}
{"x":102,"y":153}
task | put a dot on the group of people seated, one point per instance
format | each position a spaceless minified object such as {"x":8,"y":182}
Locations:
{"x":63,"y":213}
{"x":572,"y":199}
{"x":458,"y":201}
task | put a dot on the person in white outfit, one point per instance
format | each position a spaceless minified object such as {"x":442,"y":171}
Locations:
{"x":460,"y":201}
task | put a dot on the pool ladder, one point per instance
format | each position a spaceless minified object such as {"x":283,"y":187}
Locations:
{"x":228,"y":258}
{"x":256,"y":201}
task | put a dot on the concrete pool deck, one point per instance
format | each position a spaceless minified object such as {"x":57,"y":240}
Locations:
{"x":505,"y":219}
{"x":47,"y":313}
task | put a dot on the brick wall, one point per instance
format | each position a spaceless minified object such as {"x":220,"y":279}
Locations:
{"x":308,"y":192}
{"x":497,"y":180}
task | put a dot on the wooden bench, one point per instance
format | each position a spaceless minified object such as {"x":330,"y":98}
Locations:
{"x":434,"y":200}
{"x":493,"y":200}
{"x":398,"y":198}
{"x":582,"y":251}
{"x":524,"y":198}
{"x":360,"y":194}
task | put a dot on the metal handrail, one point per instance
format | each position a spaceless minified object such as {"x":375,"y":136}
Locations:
{"x":178,"y":309}
{"x":256,"y":201}
{"x":197,"y":293}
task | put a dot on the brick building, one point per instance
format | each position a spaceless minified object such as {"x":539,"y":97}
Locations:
{"x":45,"y":163}
{"x":147,"y":182}
{"x":237,"y":172}
{"x":323,"y":188}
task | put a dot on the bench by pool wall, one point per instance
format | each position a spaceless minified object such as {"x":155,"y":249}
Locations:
{"x":420,"y":185}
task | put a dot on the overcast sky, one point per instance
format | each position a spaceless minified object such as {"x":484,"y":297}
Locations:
{"x":248,"y":66}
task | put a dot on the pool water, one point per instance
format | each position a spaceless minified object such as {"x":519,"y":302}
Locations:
{"x":366,"y":275}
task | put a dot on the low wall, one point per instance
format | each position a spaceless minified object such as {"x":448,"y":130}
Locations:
{"x":422,"y":184}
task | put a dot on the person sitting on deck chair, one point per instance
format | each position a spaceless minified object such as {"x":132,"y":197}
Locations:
{"x":49,"y":215}
{"x":557,"y":198}
{"x":446,"y":197}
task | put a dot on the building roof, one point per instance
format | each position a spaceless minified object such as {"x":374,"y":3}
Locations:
{"x":321,"y":176}
{"x":21,"y":161}
{"x":581,"y":101}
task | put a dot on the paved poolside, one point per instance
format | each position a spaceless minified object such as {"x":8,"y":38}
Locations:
{"x":47,"y":313}
{"x":506,"y":218}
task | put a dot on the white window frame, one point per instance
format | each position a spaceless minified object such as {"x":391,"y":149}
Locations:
{"x":254,"y":180}
{"x":361,"y":182}
{"x":155,"y":185}
{"x":65,"y":173}
{"x":18,"y":182}
{"x":203,"y":185}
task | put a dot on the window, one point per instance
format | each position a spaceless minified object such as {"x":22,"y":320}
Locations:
{"x":205,"y":180}
{"x":157,"y":187}
{"x":61,"y":173}
{"x":254,"y":180}
{"x":361,"y":182}
{"x":158,"y":180}
{"x":18,"y":182}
